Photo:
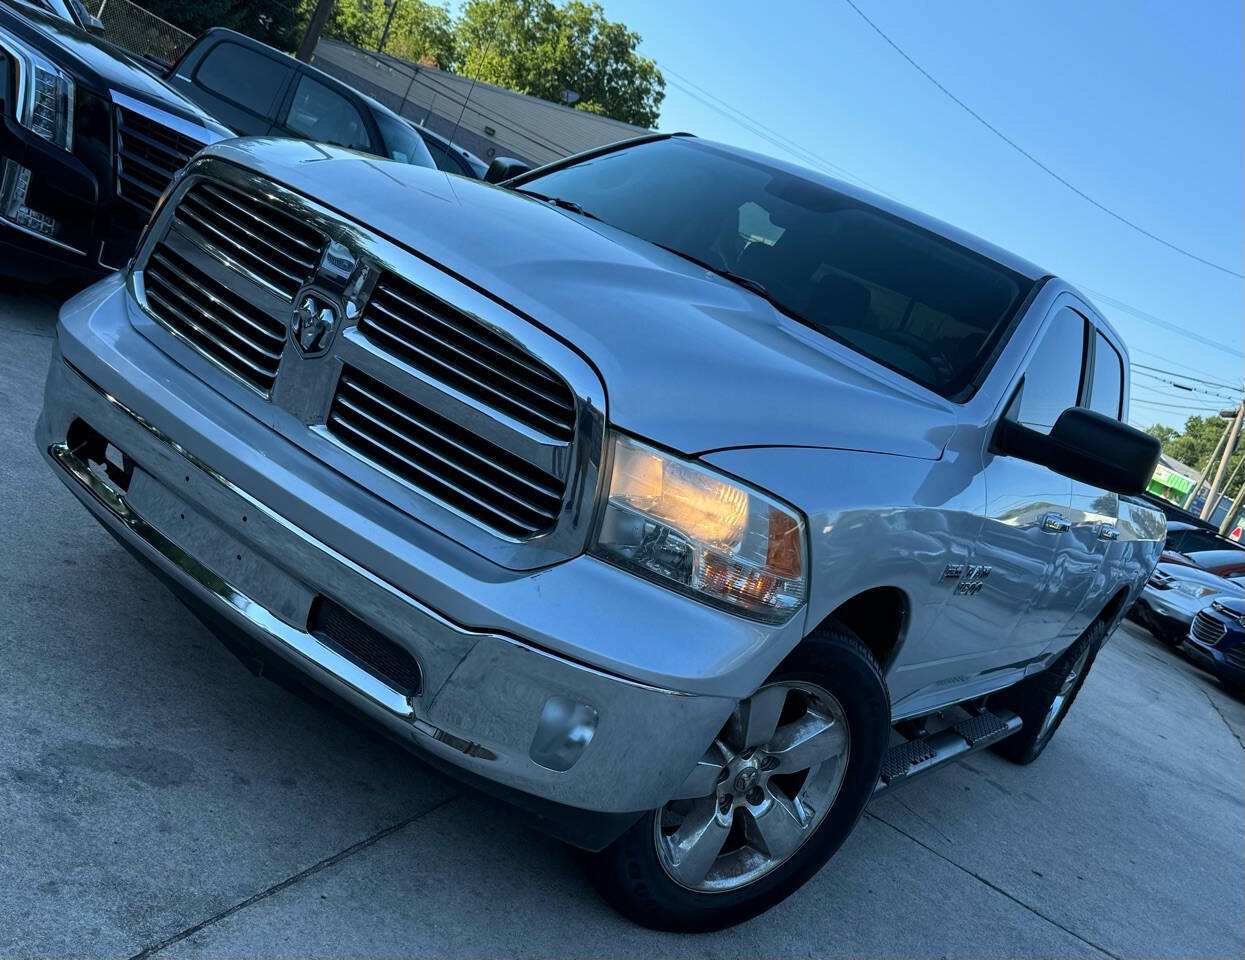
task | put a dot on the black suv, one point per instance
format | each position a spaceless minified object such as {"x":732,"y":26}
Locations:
{"x":89,"y":139}
{"x":260,"y":91}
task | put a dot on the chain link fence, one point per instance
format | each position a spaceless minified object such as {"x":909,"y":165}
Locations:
{"x":141,"y":31}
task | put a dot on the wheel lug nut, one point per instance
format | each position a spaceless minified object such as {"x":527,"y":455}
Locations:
{"x":725,"y":803}
{"x":747,"y":754}
{"x":769,"y":763}
{"x":723,"y":775}
{"x":755,"y":796}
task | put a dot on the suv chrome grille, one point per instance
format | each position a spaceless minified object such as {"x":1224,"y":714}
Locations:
{"x":244,"y":340}
{"x":148,"y":154}
{"x":251,"y":236}
{"x":459,"y":351}
{"x":1207,"y":629}
{"x":442,"y":459}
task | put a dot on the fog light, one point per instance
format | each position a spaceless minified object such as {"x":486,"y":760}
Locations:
{"x":13,"y":188}
{"x":565,"y":730}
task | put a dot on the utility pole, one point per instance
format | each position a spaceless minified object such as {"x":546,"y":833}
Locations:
{"x":1229,"y":448}
{"x":393,"y":8}
{"x":1228,"y":483}
{"x":1201,"y":477}
{"x":315,"y":27}
{"x":1226,"y":527}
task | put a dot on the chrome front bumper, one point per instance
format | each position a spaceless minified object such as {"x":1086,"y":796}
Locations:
{"x":488,"y":697}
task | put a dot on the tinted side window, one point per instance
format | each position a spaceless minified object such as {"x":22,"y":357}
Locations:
{"x":320,"y":114}
{"x":441,"y":157}
{"x":1053,"y":379}
{"x":401,"y":142}
{"x":1106,"y":391}
{"x":245,"y":77}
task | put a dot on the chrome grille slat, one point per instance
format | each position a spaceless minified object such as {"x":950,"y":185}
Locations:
{"x":446,"y":320}
{"x":427,"y":451}
{"x":515,"y":468}
{"x":462,"y":352}
{"x":446,"y":372}
{"x":187,"y":303}
{"x":269,"y":333}
{"x":215,"y":345}
{"x":312,"y":249}
{"x":149,"y":155}
{"x":455,"y":355}
{"x":257,"y":264}
{"x":1207,"y":629}
{"x":292,"y":267}
{"x":234,"y":334}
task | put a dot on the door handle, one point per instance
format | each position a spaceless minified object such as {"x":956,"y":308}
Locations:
{"x":1055,"y":523}
{"x":1107,"y":531}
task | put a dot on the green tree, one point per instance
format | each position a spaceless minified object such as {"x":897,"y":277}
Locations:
{"x":275,"y":22}
{"x":420,"y":32}
{"x":1194,"y":445}
{"x":541,"y":49}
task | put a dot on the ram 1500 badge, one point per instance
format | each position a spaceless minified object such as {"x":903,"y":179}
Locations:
{"x":683,"y":497}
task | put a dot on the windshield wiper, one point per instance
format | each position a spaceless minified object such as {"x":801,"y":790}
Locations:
{"x":756,"y":286}
{"x":570,"y":205}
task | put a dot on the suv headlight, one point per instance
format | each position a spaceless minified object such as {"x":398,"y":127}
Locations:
{"x":1194,"y":590}
{"x":45,"y":93}
{"x":690,"y":528}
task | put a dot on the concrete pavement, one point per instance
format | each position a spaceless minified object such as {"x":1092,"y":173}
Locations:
{"x":156,"y":798}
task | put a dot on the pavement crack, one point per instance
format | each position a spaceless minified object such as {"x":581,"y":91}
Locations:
{"x":1236,"y":736}
{"x":995,"y":887}
{"x":291,"y":880}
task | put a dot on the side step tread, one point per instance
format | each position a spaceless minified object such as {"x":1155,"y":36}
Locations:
{"x":969,"y":735}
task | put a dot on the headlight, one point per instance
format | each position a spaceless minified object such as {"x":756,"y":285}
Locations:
{"x":692,"y":529}
{"x":45,"y":93}
{"x":1194,"y":590}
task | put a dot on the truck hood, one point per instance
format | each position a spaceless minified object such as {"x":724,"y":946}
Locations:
{"x":102,"y":65}
{"x":688,"y":359}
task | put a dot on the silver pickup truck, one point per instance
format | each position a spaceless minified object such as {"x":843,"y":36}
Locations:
{"x":684,"y":498}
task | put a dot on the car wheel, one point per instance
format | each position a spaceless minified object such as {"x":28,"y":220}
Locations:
{"x":777,"y":793}
{"x":1042,"y":701}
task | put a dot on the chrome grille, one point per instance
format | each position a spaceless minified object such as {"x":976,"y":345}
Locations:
{"x":251,"y":236}
{"x":244,"y":340}
{"x":442,"y":459}
{"x":1207,"y":629}
{"x":459,"y":351}
{"x":148,"y":155}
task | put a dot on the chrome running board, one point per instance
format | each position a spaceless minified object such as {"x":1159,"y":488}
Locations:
{"x":909,"y":760}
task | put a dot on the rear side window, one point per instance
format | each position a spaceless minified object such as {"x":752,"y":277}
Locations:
{"x":245,"y":77}
{"x":1107,"y":389}
{"x":325,"y":116}
{"x":1052,"y":380}
{"x":401,"y":142}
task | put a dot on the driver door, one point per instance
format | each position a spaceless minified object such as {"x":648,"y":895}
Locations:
{"x":1014,"y":598}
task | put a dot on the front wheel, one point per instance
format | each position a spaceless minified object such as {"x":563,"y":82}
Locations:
{"x":774,"y":797}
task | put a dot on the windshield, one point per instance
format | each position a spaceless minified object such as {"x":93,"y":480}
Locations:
{"x":914,"y":302}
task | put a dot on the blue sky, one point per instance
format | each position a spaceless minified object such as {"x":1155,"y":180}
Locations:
{"x":1139,"y":104}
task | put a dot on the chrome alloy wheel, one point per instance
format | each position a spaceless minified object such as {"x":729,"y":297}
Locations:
{"x":1064,"y":696}
{"x":760,"y":791}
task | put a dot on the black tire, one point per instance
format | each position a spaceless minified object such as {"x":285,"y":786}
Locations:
{"x":1033,"y":698}
{"x":628,"y":872}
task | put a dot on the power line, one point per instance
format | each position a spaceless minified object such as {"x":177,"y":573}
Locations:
{"x":1159,"y":322}
{"x":787,"y":144}
{"x":1206,"y":376}
{"x":1038,"y":163}
{"x":1236,"y":387}
{"x":1188,"y":389}
{"x":1207,"y":410}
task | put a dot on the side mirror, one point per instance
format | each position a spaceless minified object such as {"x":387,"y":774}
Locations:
{"x":96,"y":26}
{"x":503,"y":168}
{"x":1086,"y":446}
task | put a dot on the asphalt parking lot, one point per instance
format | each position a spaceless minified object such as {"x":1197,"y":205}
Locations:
{"x":158,"y":799}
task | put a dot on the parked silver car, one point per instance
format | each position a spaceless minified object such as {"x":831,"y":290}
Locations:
{"x":658,"y":491}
